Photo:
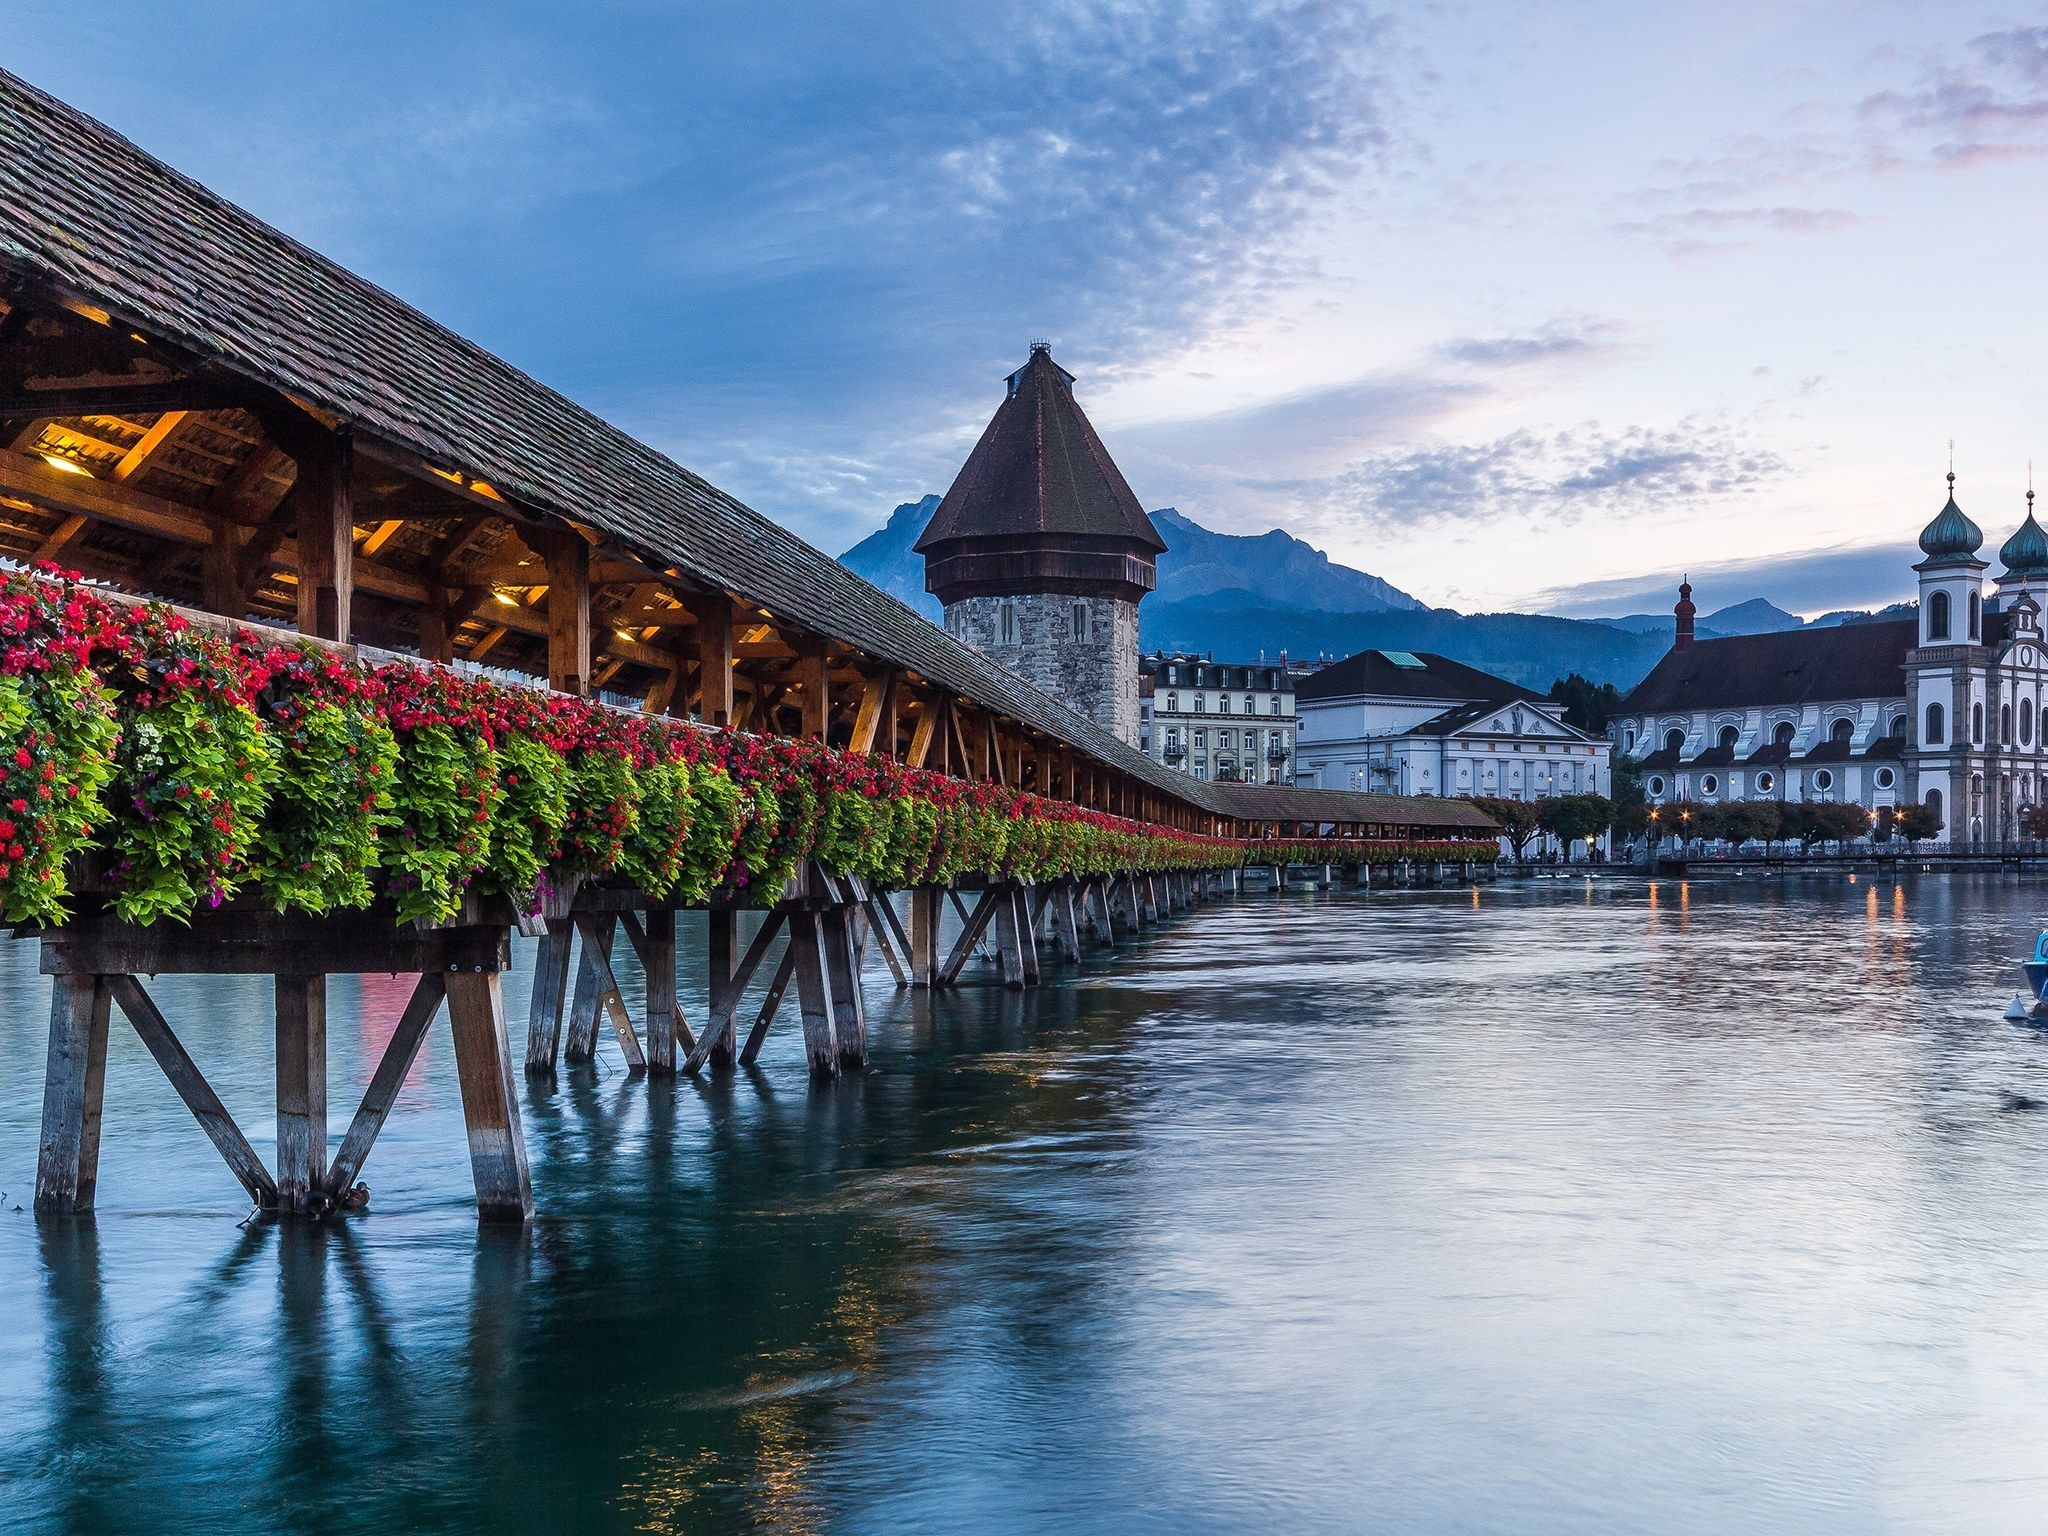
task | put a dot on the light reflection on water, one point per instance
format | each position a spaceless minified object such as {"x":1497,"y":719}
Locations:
{"x":1555,"y":1207}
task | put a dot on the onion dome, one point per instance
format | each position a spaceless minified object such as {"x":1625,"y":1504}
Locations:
{"x":1951,"y":535}
{"x":2026,"y":552}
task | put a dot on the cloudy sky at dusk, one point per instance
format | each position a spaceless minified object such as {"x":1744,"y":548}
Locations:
{"x":1514,"y":306}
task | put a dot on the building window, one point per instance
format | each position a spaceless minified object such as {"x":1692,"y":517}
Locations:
{"x":1251,"y":741}
{"x":1628,"y":743}
{"x":2005,"y":725}
{"x":1884,"y":778}
{"x":1081,"y":622}
{"x":1222,"y":703}
{"x":1201,"y":707}
{"x":1823,"y":780}
{"x":1708,"y":784}
{"x":1674,"y":740}
{"x":1977,"y":724}
{"x":1937,"y":724}
{"x":1898,"y":727}
{"x":1276,"y":705}
{"x":1251,"y":705}
{"x":1007,"y":622}
{"x":1841,"y":731}
{"x":2026,"y":722}
{"x":1656,"y":785}
{"x":1937,"y":616}
{"x":1201,"y":738}
{"x":1173,"y":703}
{"x":1976,"y":615}
{"x":1782,"y":736}
{"x":1765,"y":783}
{"x":1729,"y":736}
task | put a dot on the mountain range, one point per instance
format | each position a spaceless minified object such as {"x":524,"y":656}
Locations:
{"x":1239,"y":596}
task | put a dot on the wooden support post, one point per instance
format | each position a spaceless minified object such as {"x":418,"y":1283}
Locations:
{"x":301,"y":1091}
{"x":74,"y":1082}
{"x":658,"y":958}
{"x":490,"y":1109}
{"x":1027,"y":933}
{"x":637,"y":937}
{"x":323,"y":509}
{"x":769,"y":1006}
{"x":849,"y":1009}
{"x":399,"y":1055}
{"x":550,"y":991}
{"x":596,"y":936}
{"x":889,"y":937}
{"x":1100,"y":914}
{"x":568,"y":606}
{"x":1010,"y":937}
{"x":1067,"y":922}
{"x":814,"y":993}
{"x":814,"y":675}
{"x":194,"y":1089}
{"x":976,"y":924}
{"x":436,"y":635}
{"x":597,"y":959}
{"x":714,"y":658}
{"x":221,"y":580}
{"x":927,"y":903}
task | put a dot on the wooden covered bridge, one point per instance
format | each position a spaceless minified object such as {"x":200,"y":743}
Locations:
{"x":196,"y":409}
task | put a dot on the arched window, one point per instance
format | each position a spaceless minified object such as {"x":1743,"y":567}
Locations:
{"x":1936,"y":726}
{"x":1934,"y":803}
{"x":1842,"y":730}
{"x":1674,"y":740}
{"x":1628,"y":743}
{"x":1899,"y":727}
{"x":1782,"y":736}
{"x":1937,"y":616}
{"x":2005,"y":725}
{"x":2026,"y":722}
{"x":1729,"y":736}
{"x":1976,"y":615}
{"x":1977,"y":724}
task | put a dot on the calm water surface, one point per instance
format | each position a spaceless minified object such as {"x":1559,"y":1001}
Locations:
{"x":1558,"y":1207}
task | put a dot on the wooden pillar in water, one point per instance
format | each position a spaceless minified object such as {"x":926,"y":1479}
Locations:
{"x":301,"y":1091}
{"x":926,"y":904}
{"x":721,"y":930}
{"x":550,"y":994}
{"x":589,"y":999}
{"x":1067,"y":922}
{"x":1010,"y":939}
{"x":842,"y":974}
{"x":490,"y":1107}
{"x":814,"y":994}
{"x":74,"y":1082}
{"x":1027,"y":934}
{"x":659,"y":962}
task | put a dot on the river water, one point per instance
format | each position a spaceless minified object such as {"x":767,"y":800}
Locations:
{"x":1556,"y":1207}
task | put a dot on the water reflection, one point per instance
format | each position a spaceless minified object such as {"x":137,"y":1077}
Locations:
{"x":1596,"y":1205}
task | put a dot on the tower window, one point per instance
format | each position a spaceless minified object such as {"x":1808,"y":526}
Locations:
{"x":2026,"y":722}
{"x":1937,"y":616}
{"x":1007,"y":622}
{"x":1081,"y":622}
{"x":1977,"y":724}
{"x":1976,"y":615}
{"x":1937,"y":724}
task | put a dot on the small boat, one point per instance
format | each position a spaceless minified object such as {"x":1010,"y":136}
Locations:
{"x":2031,"y":1007}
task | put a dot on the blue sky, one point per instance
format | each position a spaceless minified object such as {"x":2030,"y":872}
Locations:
{"x":1515,"y":306}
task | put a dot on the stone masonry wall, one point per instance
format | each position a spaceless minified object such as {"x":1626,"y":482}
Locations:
{"x":1096,"y":676}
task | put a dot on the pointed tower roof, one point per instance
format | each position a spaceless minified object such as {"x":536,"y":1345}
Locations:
{"x":1040,"y":468}
{"x":1951,"y":537}
{"x":2026,"y":552}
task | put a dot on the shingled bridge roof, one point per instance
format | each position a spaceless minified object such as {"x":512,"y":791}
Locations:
{"x":86,"y":213}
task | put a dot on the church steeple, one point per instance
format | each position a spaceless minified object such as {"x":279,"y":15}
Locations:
{"x":1682,"y":636}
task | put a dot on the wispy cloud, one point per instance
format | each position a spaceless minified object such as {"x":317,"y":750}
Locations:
{"x":1565,"y":476}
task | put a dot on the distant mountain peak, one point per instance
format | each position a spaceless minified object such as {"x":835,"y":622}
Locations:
{"x":1273,"y":568}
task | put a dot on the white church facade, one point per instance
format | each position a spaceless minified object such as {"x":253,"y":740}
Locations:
{"x":1943,"y":708}
{"x":1415,"y":723}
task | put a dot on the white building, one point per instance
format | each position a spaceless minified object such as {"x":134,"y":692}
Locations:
{"x":1943,"y":707}
{"x":1413,"y":723}
{"x":1232,"y":722}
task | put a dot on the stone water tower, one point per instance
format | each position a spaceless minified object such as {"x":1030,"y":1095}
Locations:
{"x":1041,"y":553}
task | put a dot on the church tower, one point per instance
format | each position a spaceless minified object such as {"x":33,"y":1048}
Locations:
{"x":1041,"y":554}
